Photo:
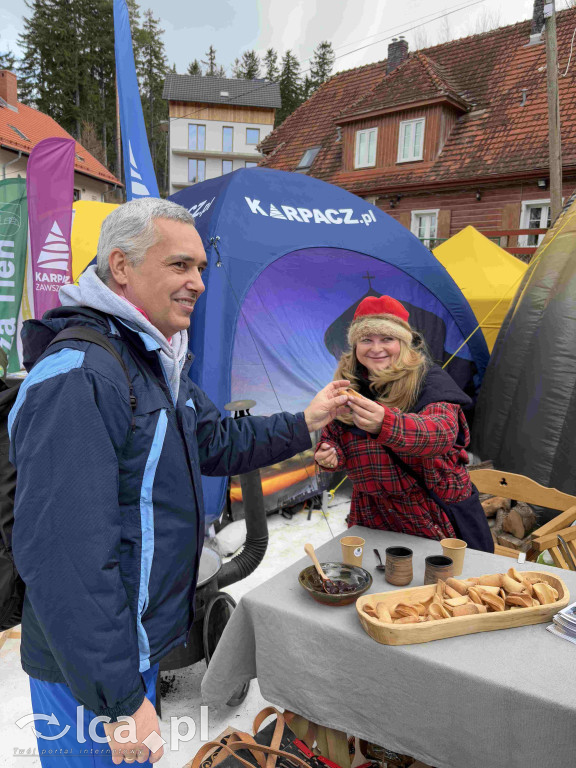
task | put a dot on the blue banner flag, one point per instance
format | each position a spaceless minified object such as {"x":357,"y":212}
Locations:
{"x":138,"y":168}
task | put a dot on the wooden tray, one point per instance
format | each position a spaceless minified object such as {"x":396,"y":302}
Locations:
{"x":407,"y":634}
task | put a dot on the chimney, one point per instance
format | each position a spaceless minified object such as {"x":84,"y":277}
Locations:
{"x":537,"y":23}
{"x":9,"y":87}
{"x":397,"y":53}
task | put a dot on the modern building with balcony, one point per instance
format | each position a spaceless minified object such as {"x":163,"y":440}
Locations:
{"x":216,"y":125}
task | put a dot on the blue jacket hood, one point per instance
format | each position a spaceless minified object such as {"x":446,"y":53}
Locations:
{"x":37,"y":334}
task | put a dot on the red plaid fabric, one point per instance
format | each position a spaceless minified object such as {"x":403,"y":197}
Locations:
{"x":384,"y":496}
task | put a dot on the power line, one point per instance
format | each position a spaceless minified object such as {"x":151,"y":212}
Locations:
{"x":416,"y":26}
{"x":369,"y":37}
{"x":389,"y":36}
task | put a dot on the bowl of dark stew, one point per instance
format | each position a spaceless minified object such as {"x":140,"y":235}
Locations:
{"x":350,"y":582}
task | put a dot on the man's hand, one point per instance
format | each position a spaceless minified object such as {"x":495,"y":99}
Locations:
{"x":367,"y":414}
{"x":327,"y":404}
{"x":326,"y":456}
{"x":146,"y":722}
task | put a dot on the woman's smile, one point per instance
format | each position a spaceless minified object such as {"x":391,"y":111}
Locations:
{"x":376,"y":353}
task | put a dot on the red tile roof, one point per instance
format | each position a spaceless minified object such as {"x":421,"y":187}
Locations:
{"x":36,"y":126}
{"x":418,"y":78}
{"x":313,"y":123}
{"x":497,"y":136}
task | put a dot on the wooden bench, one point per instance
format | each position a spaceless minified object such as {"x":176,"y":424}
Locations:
{"x":556,"y":536}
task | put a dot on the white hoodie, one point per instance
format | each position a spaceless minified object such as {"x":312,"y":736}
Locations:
{"x":92,"y":292}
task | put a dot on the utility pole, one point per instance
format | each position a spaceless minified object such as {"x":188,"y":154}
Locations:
{"x":554,"y":137}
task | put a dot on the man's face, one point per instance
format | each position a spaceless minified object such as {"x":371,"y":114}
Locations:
{"x":168,"y":281}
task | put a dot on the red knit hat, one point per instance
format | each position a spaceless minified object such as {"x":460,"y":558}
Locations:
{"x":381,"y":305}
{"x":381,"y":315}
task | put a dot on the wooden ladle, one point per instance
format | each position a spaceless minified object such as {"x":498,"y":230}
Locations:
{"x":327,"y":584}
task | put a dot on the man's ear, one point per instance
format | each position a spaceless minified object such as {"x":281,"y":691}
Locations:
{"x":118,"y":266}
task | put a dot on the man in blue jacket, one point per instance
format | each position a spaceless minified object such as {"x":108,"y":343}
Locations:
{"x":108,"y":512}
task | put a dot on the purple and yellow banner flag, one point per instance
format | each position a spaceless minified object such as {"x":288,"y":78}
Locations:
{"x":50,"y":183}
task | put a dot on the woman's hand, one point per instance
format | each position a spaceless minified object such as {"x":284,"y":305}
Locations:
{"x":326,"y":456}
{"x":366,"y":414}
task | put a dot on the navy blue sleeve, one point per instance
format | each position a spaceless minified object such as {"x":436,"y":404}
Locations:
{"x":64,"y":443}
{"x":234,"y":446}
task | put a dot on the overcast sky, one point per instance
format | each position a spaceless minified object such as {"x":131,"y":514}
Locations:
{"x":234,"y":26}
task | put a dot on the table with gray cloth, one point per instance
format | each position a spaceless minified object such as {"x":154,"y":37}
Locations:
{"x":502,"y":699}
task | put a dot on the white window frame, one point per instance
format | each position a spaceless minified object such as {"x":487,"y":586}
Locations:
{"x":401,"y":133}
{"x":365,"y":132}
{"x":197,"y":148}
{"x":251,"y":164}
{"x":525,"y":220}
{"x":231,"y":167}
{"x":414,"y":224}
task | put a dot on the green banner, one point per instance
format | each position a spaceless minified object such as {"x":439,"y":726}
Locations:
{"x":13,"y":238}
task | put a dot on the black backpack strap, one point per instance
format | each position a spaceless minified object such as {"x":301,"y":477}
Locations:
{"x":82,"y":333}
{"x":419,"y":479}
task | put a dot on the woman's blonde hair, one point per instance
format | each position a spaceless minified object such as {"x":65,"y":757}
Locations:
{"x":398,"y":385}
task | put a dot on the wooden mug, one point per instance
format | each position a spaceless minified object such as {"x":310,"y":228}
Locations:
{"x":438,"y":567}
{"x":398,"y":566}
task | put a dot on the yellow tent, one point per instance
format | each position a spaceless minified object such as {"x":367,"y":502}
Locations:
{"x":487,"y":275}
{"x":88,"y":218}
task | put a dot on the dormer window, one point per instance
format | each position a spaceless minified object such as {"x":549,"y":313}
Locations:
{"x":365,"y":155}
{"x":411,"y":140}
{"x":308,"y":158}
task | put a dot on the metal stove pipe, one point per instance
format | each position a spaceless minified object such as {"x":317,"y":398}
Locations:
{"x":246,"y":561}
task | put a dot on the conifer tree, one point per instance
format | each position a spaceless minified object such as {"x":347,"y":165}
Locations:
{"x":321,"y":65}
{"x":248,"y":67}
{"x":270,"y":62}
{"x":210,"y":62}
{"x":194,"y":68}
{"x":7,"y":59}
{"x":290,"y":87}
{"x":51,"y":71}
{"x":68,"y":71}
{"x":91,"y":143}
{"x":98,"y":93}
{"x":307,"y":88}
{"x":237,"y":68}
{"x":152,"y":72}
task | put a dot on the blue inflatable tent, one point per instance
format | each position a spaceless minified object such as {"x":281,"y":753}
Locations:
{"x":290,"y":257}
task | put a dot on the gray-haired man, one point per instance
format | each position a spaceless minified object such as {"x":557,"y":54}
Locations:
{"x":108,"y":514}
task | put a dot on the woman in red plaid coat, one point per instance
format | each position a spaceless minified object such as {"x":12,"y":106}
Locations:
{"x":410,"y":406}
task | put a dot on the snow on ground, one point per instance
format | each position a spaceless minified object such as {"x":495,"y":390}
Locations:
{"x":287,"y":539}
